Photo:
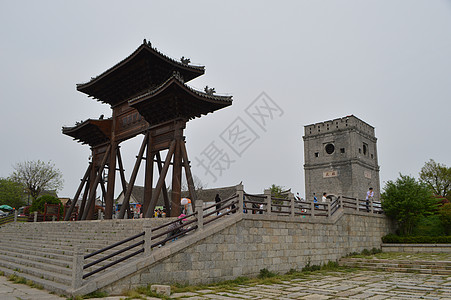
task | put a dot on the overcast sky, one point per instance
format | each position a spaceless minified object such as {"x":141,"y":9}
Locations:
{"x":387,"y":62}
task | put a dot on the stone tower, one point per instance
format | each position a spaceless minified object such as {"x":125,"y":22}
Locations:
{"x":341,"y":158}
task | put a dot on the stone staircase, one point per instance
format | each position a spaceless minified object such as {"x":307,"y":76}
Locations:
{"x":43,"y":252}
{"x":398,"y":265}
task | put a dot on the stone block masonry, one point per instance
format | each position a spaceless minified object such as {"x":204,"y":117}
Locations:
{"x":255,"y":242}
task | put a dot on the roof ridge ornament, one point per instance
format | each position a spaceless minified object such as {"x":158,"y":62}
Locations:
{"x":148,"y":43}
{"x":178,"y":76}
{"x":209,"y":91}
{"x":184,"y":60}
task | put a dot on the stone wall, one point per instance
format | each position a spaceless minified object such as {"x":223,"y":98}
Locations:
{"x":255,"y":242}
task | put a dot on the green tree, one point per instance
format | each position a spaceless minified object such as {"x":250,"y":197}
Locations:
{"x":438,"y":177}
{"x":445,"y":216}
{"x":278,"y":191}
{"x":37,"y":176}
{"x":406,"y":201}
{"x":39,"y":204}
{"x":11,"y":193}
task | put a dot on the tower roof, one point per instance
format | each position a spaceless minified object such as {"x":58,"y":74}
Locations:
{"x":174,"y":99}
{"x":143,"y":70}
{"x":91,"y":132}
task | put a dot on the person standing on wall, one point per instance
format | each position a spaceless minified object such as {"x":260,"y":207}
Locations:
{"x":369,"y":197}
{"x":218,"y":206}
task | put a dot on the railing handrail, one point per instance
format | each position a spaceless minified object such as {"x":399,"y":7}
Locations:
{"x":113,"y":245}
{"x":295,"y":208}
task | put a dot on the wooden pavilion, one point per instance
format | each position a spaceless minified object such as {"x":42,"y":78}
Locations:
{"x":148,"y":96}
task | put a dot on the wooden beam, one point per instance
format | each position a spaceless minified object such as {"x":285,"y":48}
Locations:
{"x":148,"y":181}
{"x":92,"y":193}
{"x":126,"y":202}
{"x":77,"y":194}
{"x":167,"y":204}
{"x":160,"y":182}
{"x":176,"y":191}
{"x":109,"y":198}
{"x":122,"y":174}
{"x":189,"y":175}
{"x":85,"y":196}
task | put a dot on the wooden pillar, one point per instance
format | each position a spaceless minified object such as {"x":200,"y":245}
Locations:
{"x":109,"y":199}
{"x":77,"y":194}
{"x":85,"y":196}
{"x":148,"y":181}
{"x":160,"y":182}
{"x":167,"y":204}
{"x":125,"y":204}
{"x":90,"y":206}
{"x":189,"y":176}
{"x":122,"y":174}
{"x":176,"y":194}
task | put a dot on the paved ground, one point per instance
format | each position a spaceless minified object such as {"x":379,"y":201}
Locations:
{"x":333,"y":285}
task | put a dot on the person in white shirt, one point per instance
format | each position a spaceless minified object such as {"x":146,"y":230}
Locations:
{"x":369,"y":197}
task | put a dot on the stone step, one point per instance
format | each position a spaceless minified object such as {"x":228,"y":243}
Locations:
{"x":42,"y":273}
{"x":425,"y":267}
{"x":52,"y":286}
{"x":49,"y":258}
{"x":407,"y":263}
{"x":23,"y":264}
{"x":66,"y":244}
{"x":61,"y":257}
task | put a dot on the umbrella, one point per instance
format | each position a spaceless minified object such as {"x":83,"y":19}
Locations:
{"x":185,"y":201}
{"x":7,"y":207}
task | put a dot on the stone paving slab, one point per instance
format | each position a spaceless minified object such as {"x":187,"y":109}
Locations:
{"x":359,"y":284}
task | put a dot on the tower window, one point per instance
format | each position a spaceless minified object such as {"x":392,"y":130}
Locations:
{"x":360,"y":150}
{"x":365,"y":149}
{"x":330,"y":148}
{"x":316,"y":154}
{"x":342,"y":150}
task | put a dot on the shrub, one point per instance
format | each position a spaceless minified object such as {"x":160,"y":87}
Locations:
{"x":265,"y":273}
{"x":429,"y":226}
{"x":445,"y":217}
{"x":406,"y":201}
{"x":39,"y":204}
{"x":395,"y":239}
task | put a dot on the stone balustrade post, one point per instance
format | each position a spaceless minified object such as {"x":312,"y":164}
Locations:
{"x":240,"y":193}
{"x":147,"y":239}
{"x":35,"y":219}
{"x":328,"y":209}
{"x":77,"y":268}
{"x":372,"y":206}
{"x":340,"y":202}
{"x":16,"y":213}
{"x":291,"y":197}
{"x":312,"y":209}
{"x":357,"y":204}
{"x":268,"y":201}
{"x":200,"y":214}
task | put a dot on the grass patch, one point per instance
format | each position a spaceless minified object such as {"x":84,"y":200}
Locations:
{"x":20,"y":280}
{"x":265,"y":277}
{"x":265,"y":273}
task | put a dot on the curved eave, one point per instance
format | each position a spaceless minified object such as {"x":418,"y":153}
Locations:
{"x":174,"y":80}
{"x":91,"y":132}
{"x":94,"y":87}
{"x":173,"y":99}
